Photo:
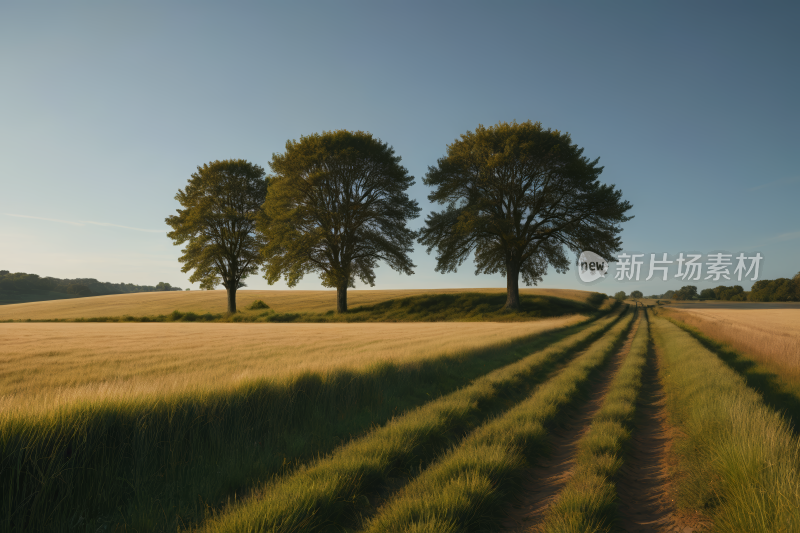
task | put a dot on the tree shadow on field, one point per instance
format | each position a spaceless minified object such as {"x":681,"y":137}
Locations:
{"x":777,"y":393}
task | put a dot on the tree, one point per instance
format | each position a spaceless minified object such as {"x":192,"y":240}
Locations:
{"x":796,"y":281}
{"x":687,"y":292}
{"x":637,"y":294}
{"x":336,"y":206}
{"x":517,"y":195}
{"x":727,"y":293}
{"x":708,"y":294}
{"x":220,"y":206}
{"x":620,"y":295}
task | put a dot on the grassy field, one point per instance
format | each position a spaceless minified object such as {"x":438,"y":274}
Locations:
{"x":739,"y":461}
{"x":433,"y":424}
{"x":151,"y":426}
{"x":214,"y":302}
{"x":770,"y":336}
{"x":44,"y":364}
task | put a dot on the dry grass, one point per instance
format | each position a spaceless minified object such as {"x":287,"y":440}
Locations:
{"x":47,"y":363}
{"x":770,"y":336}
{"x":200,"y":302}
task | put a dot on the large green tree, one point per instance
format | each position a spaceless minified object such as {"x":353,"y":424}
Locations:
{"x":337,"y":205}
{"x":220,"y":204}
{"x":519,"y":196}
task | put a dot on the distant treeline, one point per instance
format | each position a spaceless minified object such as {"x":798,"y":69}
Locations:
{"x":765,"y":290}
{"x":21,"y":287}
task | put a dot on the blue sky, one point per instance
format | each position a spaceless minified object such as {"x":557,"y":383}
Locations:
{"x":107,"y":108}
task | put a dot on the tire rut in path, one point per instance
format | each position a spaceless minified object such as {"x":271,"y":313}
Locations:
{"x":645,"y":491}
{"x":541,"y":484}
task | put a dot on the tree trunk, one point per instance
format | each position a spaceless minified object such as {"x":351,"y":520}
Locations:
{"x":512,"y":288}
{"x":341,"y":298}
{"x":231,"y":299}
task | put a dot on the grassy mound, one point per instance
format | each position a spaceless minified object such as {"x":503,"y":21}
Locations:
{"x":468,"y":306}
{"x":215,"y":302}
{"x":460,"y":307}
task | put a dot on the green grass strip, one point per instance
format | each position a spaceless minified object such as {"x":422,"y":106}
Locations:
{"x":589,"y":499}
{"x":466,"y":488}
{"x":779,"y":393}
{"x":739,"y":462}
{"x":331,"y":490}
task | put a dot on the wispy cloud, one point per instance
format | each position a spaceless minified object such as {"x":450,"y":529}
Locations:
{"x":776,"y":182}
{"x":47,"y":219}
{"x":786,"y":236}
{"x":85,"y":222}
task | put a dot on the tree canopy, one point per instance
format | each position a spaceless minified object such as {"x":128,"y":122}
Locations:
{"x":519,"y":196}
{"x":687,"y":292}
{"x":776,"y":290}
{"x":637,"y":295}
{"x":708,"y":294}
{"x":21,"y":287}
{"x":221,"y":203}
{"x":336,"y":206}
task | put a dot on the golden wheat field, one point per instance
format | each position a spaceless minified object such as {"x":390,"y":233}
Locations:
{"x":772,"y":336}
{"x":282,"y":301}
{"x":49,"y":362}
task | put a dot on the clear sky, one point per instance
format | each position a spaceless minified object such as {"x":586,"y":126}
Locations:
{"x":106,"y":109}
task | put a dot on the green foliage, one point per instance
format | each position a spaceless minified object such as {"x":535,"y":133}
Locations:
{"x":258,"y":304}
{"x":620,"y":295}
{"x":776,"y":290}
{"x":687,"y":292}
{"x":708,"y":294}
{"x":516,"y":195}
{"x":765,"y":290}
{"x":220,"y":205}
{"x":166,"y":287}
{"x":637,"y":294}
{"x":337,"y":205}
{"x":725,"y":293}
{"x":21,"y":287}
{"x":175,"y":316}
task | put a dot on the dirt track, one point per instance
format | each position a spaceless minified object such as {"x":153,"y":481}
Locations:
{"x":646,"y":499}
{"x":542,"y":483}
{"x":645,"y":487}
